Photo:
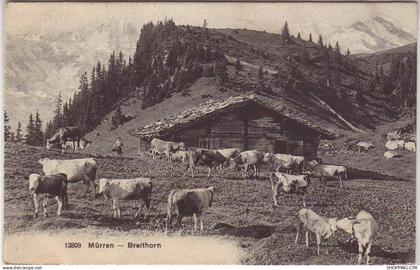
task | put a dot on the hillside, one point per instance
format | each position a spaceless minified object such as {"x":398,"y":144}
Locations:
{"x":298,"y":73}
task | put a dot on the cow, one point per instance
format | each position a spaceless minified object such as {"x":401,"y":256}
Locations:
{"x":204,"y":157}
{"x":159,"y":146}
{"x":322,"y":171}
{"x":285,"y":162}
{"x":77,"y":170}
{"x":187,"y":203}
{"x":391,"y":154}
{"x":64,"y":134}
{"x":229,"y":154}
{"x":42,"y":187}
{"x":393,"y":145}
{"x":410,"y":146}
{"x":250,"y":158}
{"x":364,"y":228}
{"x":126,"y":189}
{"x":364,"y":146}
{"x":180,"y":156}
{"x":310,"y":221}
{"x":291,"y":184}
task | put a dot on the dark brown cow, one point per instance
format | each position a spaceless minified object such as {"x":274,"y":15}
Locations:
{"x":54,"y":185}
{"x":204,"y":157}
{"x":64,"y":134}
{"x":187,"y":203}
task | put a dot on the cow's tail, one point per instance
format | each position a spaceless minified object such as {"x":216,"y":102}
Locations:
{"x":272,"y":178}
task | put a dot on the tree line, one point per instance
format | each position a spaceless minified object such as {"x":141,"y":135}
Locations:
{"x":34,"y":133}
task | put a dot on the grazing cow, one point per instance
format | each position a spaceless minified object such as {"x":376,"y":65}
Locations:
{"x":187,"y":203}
{"x":410,"y":146}
{"x":62,"y":135}
{"x":77,"y":170}
{"x":364,"y":228}
{"x":250,"y":158}
{"x":285,"y":162}
{"x":54,"y":185}
{"x":126,"y":189}
{"x":322,"y":171}
{"x":310,"y":221}
{"x":391,"y":154}
{"x":166,"y":147}
{"x":180,"y":156}
{"x":364,"y":146}
{"x":204,"y":157}
{"x":229,"y":153}
{"x":393,"y":135}
{"x":291,"y":184}
{"x":393,"y":145}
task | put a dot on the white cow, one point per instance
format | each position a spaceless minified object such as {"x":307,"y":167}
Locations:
{"x":77,"y":170}
{"x":391,"y":154}
{"x":180,"y":156}
{"x":126,"y":189}
{"x":393,"y":145}
{"x":410,"y":146}
{"x":364,"y":228}
{"x":310,"y":221}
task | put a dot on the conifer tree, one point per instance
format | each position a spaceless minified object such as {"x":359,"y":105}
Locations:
{"x":29,"y":138}
{"x":38,"y":135}
{"x":298,"y":36}
{"x":320,"y":42}
{"x":310,"y":37}
{"x":285,"y":32}
{"x":7,"y":131}
{"x":19,"y":135}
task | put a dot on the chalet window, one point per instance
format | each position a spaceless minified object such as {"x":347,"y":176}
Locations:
{"x":289,"y":147}
{"x":209,"y":143}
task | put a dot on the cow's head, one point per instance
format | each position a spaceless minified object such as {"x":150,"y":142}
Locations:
{"x":267,"y":157}
{"x":42,"y":161}
{"x":181,"y":146}
{"x":346,"y":224}
{"x":103,"y":183}
{"x":333,"y":224}
{"x":34,"y":181}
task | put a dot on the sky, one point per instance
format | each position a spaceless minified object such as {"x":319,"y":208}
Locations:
{"x":56,"y":17}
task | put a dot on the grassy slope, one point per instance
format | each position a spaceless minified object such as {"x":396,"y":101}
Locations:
{"x":245,"y":204}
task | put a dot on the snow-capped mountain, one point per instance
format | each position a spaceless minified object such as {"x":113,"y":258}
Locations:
{"x":40,"y":65}
{"x":371,"y":35}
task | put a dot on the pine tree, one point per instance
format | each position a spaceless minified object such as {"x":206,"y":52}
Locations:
{"x":298,"y":36}
{"x":348,"y":52}
{"x":18,"y":136}
{"x":38,"y":134}
{"x":29,"y":138}
{"x":285,"y":32}
{"x":310,"y":37}
{"x":320,"y":42}
{"x":7,"y":131}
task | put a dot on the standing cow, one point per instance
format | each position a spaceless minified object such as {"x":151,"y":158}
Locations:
{"x":187,"y":203}
{"x":42,"y":187}
{"x":159,"y":146}
{"x":285,"y":162}
{"x":250,"y":158}
{"x":290,"y":184}
{"x":204,"y":157}
{"x":324,"y":171}
{"x":64,"y":134}
{"x":77,"y":170}
{"x":126,"y":189}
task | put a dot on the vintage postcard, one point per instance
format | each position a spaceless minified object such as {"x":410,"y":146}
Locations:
{"x":210,"y":133}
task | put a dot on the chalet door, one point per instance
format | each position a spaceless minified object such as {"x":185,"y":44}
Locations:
{"x":280,"y":147}
{"x":295,"y":148}
{"x":209,"y":143}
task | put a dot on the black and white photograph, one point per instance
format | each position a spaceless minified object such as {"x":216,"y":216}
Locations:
{"x":218,"y":133}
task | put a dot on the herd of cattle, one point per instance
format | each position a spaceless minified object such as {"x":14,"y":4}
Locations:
{"x":287,"y":173}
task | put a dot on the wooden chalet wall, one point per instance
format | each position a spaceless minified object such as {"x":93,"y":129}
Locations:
{"x":249,"y":127}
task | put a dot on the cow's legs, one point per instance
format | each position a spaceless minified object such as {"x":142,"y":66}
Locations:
{"x":117,"y":204}
{"x":298,"y":229}
{"x":36,"y":203}
{"x":201,"y":224}
{"x":326,"y":246}
{"x":139,"y":210}
{"x":195,"y":222}
{"x":318,"y":241}
{"x":114,"y":209}
{"x":208,"y":174}
{"x":245,"y":171}
{"x":168,"y":220}
{"x":307,"y":238}
{"x":275,"y":195}
{"x":303,"y":197}
{"x":178,"y":220}
{"x":360,"y":259}
{"x":367,"y":252}
{"x":44,"y":205}
{"x":341,"y":181}
{"x":60,"y":200}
